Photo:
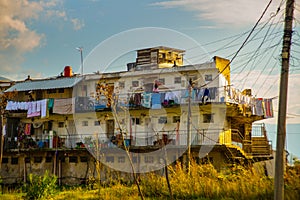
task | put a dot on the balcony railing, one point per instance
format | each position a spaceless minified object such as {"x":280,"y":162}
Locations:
{"x":138,"y":139}
{"x":154,"y":100}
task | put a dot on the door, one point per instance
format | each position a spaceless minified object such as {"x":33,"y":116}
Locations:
{"x":110,"y":128}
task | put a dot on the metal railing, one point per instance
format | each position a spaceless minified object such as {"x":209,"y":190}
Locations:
{"x":136,"y":99}
{"x":237,"y":138}
{"x":137,"y":139}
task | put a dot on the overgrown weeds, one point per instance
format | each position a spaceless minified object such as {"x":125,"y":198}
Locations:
{"x":233,"y":182}
{"x":203,"y":182}
{"x":40,"y":187}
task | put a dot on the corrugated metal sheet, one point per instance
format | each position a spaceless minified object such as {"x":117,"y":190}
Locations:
{"x":45,"y":84}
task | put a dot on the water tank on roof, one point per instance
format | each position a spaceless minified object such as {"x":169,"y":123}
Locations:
{"x":68,"y":71}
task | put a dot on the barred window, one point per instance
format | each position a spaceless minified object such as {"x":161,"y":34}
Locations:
{"x":177,"y":80}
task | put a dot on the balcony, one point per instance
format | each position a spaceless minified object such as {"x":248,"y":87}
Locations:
{"x":137,"y":140}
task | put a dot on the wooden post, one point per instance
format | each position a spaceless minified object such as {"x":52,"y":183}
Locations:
{"x":281,"y":125}
{"x":1,"y":138}
{"x":59,"y":172}
{"x":188,"y":160}
{"x":25,"y":169}
{"x":54,"y":163}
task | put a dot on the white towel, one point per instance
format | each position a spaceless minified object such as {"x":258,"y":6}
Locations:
{"x":44,"y":107}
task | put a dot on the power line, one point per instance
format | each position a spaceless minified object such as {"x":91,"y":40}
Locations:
{"x":264,"y":40}
{"x":243,"y":44}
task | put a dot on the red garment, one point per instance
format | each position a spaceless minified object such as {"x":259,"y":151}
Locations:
{"x":27,"y":129}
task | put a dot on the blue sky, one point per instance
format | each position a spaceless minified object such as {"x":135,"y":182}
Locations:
{"x":40,"y":37}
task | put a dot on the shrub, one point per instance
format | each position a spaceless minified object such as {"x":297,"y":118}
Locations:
{"x":40,"y":187}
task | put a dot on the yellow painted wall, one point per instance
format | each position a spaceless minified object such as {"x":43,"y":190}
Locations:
{"x":225,"y":137}
{"x":224,"y":67}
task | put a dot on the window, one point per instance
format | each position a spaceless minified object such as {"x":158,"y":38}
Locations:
{"x":51,"y":91}
{"x":161,"y":81}
{"x":135,"y":121}
{"x":4,"y":160}
{"x":37,"y":159}
{"x":83,"y":159}
{"x":48,"y":159}
{"x":135,"y":159}
{"x":176,"y":119}
{"x":177,"y":80}
{"x":110,"y":159}
{"x":135,"y":83}
{"x":149,"y":159}
{"x":162,"y":120}
{"x":73,"y":159}
{"x":208,"y":77}
{"x":121,"y":84}
{"x":61,"y":90}
{"x":61,"y":124}
{"x":85,"y":123}
{"x":208,"y":118}
{"x":97,"y":123}
{"x":14,"y":161}
{"x":121,"y":159}
{"x":27,"y":160}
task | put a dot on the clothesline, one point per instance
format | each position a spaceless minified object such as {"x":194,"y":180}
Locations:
{"x":42,"y":107}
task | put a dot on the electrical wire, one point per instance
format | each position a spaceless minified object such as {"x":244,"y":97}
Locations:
{"x":253,"y":56}
{"x":241,"y":47}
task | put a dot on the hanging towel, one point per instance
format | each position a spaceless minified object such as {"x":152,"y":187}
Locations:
{"x":32,"y":109}
{"x":44,"y":108}
{"x":155,"y":101}
{"x":268,"y":108}
{"x":259,"y":107}
{"x":38,"y":106}
{"x":51,"y":103}
{"x":63,"y":106}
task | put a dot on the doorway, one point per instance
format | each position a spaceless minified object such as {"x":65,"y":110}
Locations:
{"x":110,"y":128}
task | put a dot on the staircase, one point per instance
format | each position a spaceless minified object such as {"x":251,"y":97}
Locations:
{"x":260,"y":146}
{"x":236,"y":154}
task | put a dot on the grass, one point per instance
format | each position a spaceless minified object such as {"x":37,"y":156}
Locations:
{"x":203,"y":182}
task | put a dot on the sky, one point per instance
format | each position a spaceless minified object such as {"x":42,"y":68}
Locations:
{"x":39,"y":38}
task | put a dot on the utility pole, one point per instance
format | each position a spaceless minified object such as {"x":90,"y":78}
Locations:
{"x":189,"y":114}
{"x":281,"y":124}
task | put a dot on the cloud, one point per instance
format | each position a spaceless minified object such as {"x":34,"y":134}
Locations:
{"x":17,"y":37}
{"x":224,"y":13}
{"x":57,"y":14}
{"x":14,"y":33}
{"x":77,"y":24}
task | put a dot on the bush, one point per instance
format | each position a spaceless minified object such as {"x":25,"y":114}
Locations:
{"x":40,"y":187}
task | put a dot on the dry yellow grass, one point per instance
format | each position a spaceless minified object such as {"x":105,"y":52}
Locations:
{"x":203,"y":182}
